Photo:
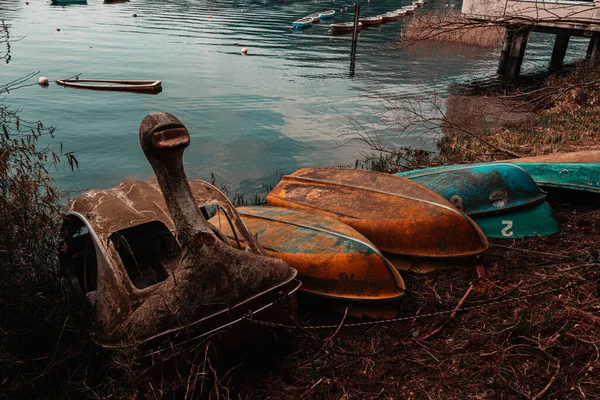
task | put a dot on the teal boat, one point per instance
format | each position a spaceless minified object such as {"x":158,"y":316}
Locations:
{"x":501,"y":198}
{"x":531,"y":221}
{"x":578,"y":171}
{"x":572,"y":176}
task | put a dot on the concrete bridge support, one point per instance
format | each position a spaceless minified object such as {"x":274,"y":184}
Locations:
{"x":558,"y":52}
{"x":513,"y":51}
{"x":593,"y":51}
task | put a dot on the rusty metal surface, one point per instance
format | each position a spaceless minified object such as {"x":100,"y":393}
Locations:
{"x":208,"y":277}
{"x":332,"y":259}
{"x":397,"y":215}
{"x":591,"y":156}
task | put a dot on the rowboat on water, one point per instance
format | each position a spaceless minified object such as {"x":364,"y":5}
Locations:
{"x":401,"y":12}
{"x":397,"y":215}
{"x":122,"y":254}
{"x":65,"y":2}
{"x":327,"y":14}
{"x":501,"y":198}
{"x":315,"y":18}
{"x":302,"y":23}
{"x":370,"y":21}
{"x":418,"y":3}
{"x":410,"y":9}
{"x":344,"y":27}
{"x":578,"y":171}
{"x":333,"y":260}
{"x":116,"y":85}
{"x":390,"y":16}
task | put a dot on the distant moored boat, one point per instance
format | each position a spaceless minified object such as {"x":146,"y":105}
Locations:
{"x":327,"y":14}
{"x":371,"y":20}
{"x":344,"y":27}
{"x":302,"y":23}
{"x":390,"y":16}
{"x":315,"y":18}
{"x":116,"y":85}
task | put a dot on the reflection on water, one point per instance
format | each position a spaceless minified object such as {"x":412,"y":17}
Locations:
{"x":281,"y":107}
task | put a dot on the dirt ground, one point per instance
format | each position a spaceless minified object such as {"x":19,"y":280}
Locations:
{"x":540,"y":339}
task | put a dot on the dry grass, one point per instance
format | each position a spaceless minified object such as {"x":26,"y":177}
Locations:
{"x":450,"y":27}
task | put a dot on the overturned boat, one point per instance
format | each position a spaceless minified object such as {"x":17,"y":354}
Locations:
{"x":501,"y":198}
{"x":397,"y":215}
{"x":153,"y":270}
{"x":333,"y":260}
{"x":578,"y":171}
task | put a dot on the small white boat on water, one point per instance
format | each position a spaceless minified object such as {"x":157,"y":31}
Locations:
{"x":344,"y":27}
{"x":418,"y":3}
{"x":130,"y":85}
{"x":302,"y":23}
{"x":315,"y":18}
{"x":390,"y":16}
{"x":371,"y":21}
{"x":410,"y":9}
{"x":327,"y":14}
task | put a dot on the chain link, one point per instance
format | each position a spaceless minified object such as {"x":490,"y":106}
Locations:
{"x":248,"y":317}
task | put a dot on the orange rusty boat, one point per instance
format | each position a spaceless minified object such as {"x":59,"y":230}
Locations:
{"x":332,"y":259}
{"x":397,"y":215}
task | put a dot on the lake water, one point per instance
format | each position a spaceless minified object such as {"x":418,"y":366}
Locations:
{"x":282,"y":107}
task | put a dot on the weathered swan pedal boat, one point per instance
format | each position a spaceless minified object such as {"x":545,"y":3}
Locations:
{"x":501,"y":198}
{"x":397,"y":215}
{"x":124,"y":253}
{"x":333,"y":261}
{"x":116,"y":85}
{"x":344,"y":27}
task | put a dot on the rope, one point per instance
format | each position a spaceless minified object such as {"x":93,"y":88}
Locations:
{"x":248,"y":317}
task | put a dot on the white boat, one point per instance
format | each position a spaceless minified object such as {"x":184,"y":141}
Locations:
{"x":327,"y":14}
{"x":302,"y":23}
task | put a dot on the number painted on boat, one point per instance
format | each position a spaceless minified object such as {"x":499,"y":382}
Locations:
{"x":506,"y":232}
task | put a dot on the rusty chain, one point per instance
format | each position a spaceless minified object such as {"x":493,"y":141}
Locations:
{"x":249,"y":317}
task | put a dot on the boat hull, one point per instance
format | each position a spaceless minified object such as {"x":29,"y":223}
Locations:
{"x":332,"y":259}
{"x":572,"y":176}
{"x":527,"y":222}
{"x":113,"y":85}
{"x":390,"y":17}
{"x":397,"y":215}
{"x":371,"y":21}
{"x":481,"y":189}
{"x":591,"y":156}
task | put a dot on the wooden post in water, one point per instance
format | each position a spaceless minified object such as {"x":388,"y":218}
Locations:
{"x":356,"y":17}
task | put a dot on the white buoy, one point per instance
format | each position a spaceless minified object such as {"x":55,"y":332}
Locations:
{"x":43,"y":81}
{"x":244,"y":51}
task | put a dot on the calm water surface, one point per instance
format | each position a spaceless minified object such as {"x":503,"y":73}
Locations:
{"x":281,"y":107}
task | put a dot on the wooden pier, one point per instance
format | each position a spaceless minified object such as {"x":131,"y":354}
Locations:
{"x":563,"y":18}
